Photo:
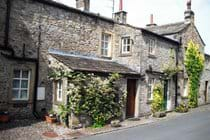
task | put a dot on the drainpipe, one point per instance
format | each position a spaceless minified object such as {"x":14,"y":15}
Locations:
{"x":35,"y":113}
{"x":6,"y":29}
{"x":176,"y":76}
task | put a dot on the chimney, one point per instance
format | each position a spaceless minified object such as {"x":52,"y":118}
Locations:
{"x":189,"y":14}
{"x":121,"y":15}
{"x":83,"y":5}
{"x":151,"y":24}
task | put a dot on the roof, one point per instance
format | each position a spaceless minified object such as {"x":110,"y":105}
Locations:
{"x":75,"y":10}
{"x":92,"y":64}
{"x":168,"y":28}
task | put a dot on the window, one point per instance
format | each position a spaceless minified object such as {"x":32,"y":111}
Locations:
{"x":150,"y":88}
{"x":59,"y":90}
{"x":20,"y":86}
{"x":152,"y":46}
{"x":126,"y":45}
{"x":105,"y":44}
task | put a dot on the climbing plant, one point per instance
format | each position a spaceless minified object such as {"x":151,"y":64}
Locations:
{"x":99,"y":98}
{"x":170,"y":68}
{"x":158,"y":100}
{"x":194,"y":64}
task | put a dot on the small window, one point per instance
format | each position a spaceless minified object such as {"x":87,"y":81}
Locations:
{"x":105,"y":44}
{"x":59,"y":90}
{"x":20,"y":85}
{"x":126,"y":45}
{"x":152,"y":46}
{"x":150,"y":88}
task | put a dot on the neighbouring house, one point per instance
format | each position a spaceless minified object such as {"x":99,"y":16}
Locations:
{"x":37,"y":34}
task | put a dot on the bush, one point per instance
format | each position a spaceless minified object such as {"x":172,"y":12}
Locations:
{"x":158,"y":100}
{"x":182,"y":108}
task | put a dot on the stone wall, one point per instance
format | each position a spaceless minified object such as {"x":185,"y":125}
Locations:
{"x":45,"y":26}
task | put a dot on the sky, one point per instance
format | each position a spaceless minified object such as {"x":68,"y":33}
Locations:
{"x":164,"y":11}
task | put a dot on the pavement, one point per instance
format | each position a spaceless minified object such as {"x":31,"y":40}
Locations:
{"x":194,"y":125}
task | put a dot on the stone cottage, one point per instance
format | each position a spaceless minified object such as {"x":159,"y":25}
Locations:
{"x":35,"y":34}
{"x":186,"y":31}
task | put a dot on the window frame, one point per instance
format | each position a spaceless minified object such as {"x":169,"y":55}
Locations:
{"x":152,"y":48}
{"x":151,"y":83}
{"x":20,"y":78}
{"x":104,"y":42}
{"x":59,"y":90}
{"x":124,"y":46}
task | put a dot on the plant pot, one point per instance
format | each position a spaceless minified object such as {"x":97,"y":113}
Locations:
{"x":159,"y":114}
{"x":50,"y":119}
{"x":4,"y":118}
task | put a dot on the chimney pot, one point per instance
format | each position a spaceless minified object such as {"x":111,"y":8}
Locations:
{"x":151,"y":21}
{"x":83,"y":5}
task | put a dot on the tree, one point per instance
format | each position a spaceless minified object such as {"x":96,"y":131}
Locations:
{"x":194,"y":64}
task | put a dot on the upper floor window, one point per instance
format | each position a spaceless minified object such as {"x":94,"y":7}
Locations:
{"x":126,"y":45}
{"x":20,"y":86}
{"x":105,"y":44}
{"x":151,"y":83}
{"x":59,"y":90}
{"x":152,"y":46}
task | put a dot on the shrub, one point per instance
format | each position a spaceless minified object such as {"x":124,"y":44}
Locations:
{"x":158,"y":100}
{"x":182,"y":108}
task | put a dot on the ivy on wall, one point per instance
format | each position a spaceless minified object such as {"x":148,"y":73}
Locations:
{"x":194,"y":64}
{"x":99,"y":98}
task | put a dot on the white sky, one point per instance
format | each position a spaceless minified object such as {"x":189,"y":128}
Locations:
{"x":164,"y":11}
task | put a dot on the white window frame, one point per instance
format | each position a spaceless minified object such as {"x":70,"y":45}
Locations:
{"x":59,"y":90}
{"x":151,"y":83}
{"x":152,"y":46}
{"x":20,"y":88}
{"x":125,"y":45}
{"x":104,"y":42}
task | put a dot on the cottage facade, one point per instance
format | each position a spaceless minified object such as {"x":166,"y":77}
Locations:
{"x":35,"y":34}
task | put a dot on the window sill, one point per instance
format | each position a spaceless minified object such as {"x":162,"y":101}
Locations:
{"x":152,"y":56}
{"x":106,"y":57}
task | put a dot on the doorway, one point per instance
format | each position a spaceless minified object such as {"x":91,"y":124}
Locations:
{"x":206,"y":91}
{"x":131,"y":97}
{"x":167,"y":95}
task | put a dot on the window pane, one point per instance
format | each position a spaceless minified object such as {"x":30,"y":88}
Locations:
{"x":124,"y":41}
{"x":59,"y":95}
{"x":128,"y":48}
{"x":16,"y":73}
{"x":23,"y":94}
{"x":14,"y":94}
{"x":128,"y":40}
{"x":25,"y":74}
{"x":106,"y":45}
{"x":16,"y":83}
{"x":24,"y":84}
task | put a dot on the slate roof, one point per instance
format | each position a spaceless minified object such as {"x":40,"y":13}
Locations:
{"x":93,"y":65}
{"x":168,"y":28}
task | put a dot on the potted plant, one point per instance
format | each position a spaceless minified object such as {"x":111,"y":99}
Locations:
{"x":4,"y":116}
{"x":51,"y":117}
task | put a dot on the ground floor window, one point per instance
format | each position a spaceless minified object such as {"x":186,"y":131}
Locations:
{"x":20,"y":85}
{"x":59,"y":90}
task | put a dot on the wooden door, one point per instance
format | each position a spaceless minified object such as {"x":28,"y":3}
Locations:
{"x":131,"y":97}
{"x":206,"y":91}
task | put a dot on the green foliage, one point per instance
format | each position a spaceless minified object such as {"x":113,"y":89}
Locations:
{"x":182,"y":108}
{"x":158,"y":100}
{"x":194,"y":64}
{"x":170,"y":69}
{"x":93,"y":96}
{"x":63,"y":111}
